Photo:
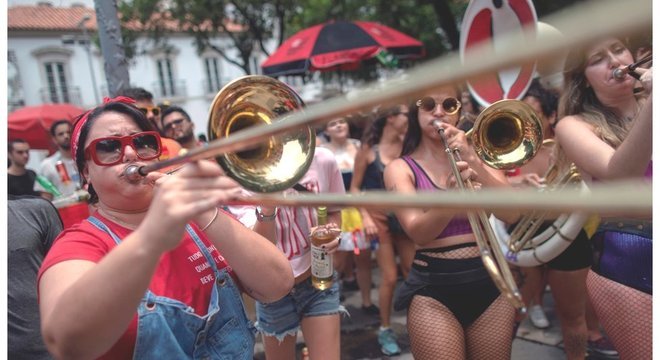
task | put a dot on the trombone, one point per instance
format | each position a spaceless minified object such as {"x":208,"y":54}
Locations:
{"x":282,"y":118}
{"x":505,"y":135}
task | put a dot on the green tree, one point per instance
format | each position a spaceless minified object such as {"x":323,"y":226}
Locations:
{"x":248,"y":24}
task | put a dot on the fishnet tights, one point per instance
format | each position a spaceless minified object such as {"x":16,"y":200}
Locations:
{"x":626,"y":316}
{"x":435,"y":333}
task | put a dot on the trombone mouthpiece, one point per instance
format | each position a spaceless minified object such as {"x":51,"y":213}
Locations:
{"x":132,"y":173}
{"x":619,"y":74}
{"x":436,"y":125}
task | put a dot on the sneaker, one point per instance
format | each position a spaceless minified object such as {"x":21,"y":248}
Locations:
{"x":387,"y":341}
{"x":537,"y":316}
{"x":371,"y":310}
{"x":602,"y":346}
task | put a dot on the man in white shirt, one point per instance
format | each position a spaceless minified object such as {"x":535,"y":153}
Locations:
{"x":66,"y":178}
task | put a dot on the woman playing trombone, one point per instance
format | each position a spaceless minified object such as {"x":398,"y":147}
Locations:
{"x":454,"y":308}
{"x":605,"y":129}
{"x":157,"y":270}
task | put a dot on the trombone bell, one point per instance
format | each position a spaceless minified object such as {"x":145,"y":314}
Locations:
{"x":272,"y":165}
{"x":507,"y":134}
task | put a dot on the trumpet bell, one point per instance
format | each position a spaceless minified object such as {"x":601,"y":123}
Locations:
{"x":507,"y":134}
{"x":272,"y":165}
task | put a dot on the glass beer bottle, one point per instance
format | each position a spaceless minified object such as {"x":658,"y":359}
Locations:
{"x":322,"y":269}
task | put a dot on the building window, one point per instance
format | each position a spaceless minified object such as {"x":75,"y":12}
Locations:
{"x":56,"y":79}
{"x":212,"y":66}
{"x":166,"y":77}
{"x":58,"y":91}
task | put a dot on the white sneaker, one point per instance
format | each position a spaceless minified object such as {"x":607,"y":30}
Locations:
{"x":537,"y":316}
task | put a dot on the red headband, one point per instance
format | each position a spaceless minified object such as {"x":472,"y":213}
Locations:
{"x":77,"y":127}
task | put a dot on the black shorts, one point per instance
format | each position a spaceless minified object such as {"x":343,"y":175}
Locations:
{"x":577,"y":256}
{"x":462,"y":285}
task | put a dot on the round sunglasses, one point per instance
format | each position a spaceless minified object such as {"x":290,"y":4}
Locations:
{"x":107,"y":151}
{"x":450,"y":105}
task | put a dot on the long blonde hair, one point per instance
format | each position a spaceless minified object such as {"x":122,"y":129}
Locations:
{"x":579,"y":99}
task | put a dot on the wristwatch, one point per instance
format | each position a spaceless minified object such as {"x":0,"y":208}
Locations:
{"x":261,"y":217}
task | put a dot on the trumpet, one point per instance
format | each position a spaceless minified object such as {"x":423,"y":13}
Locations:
{"x":506,"y":134}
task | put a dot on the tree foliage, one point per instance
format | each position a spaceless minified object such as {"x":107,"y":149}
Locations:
{"x":247,"y":24}
{"x":250,"y":24}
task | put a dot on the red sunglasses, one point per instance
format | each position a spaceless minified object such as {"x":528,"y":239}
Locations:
{"x":107,"y":151}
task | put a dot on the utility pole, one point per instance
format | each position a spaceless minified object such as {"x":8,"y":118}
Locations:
{"x":88,"y":45}
{"x":116,"y":64}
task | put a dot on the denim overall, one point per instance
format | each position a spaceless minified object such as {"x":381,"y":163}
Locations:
{"x":169,"y":329}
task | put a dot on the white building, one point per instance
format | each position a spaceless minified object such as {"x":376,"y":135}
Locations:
{"x":48,"y":61}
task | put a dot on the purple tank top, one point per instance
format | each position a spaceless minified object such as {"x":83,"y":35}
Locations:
{"x":457,"y":226}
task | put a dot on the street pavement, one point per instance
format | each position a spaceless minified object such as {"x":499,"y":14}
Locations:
{"x":359,"y":333}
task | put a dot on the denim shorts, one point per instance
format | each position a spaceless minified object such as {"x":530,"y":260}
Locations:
{"x":282,"y":317}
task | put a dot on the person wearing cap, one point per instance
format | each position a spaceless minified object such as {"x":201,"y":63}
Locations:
{"x":157,"y":271}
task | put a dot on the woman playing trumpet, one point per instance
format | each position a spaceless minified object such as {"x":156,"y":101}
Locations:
{"x":157,"y":270}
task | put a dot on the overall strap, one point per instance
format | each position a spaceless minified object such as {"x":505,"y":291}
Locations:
{"x":202,"y":248}
{"x":103,"y":227}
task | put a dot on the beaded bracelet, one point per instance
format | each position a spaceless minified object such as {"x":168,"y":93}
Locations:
{"x":215,"y":216}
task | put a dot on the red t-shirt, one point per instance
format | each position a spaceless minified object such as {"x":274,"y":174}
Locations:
{"x":182,"y":274}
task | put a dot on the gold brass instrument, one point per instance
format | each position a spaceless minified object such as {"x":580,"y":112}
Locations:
{"x":529,"y":224}
{"x":423,"y":79}
{"x":506,"y":134}
{"x":526,"y":245}
{"x":273,"y":164}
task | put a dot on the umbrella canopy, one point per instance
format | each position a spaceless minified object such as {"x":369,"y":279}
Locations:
{"x":339,"y":44}
{"x":32,"y":123}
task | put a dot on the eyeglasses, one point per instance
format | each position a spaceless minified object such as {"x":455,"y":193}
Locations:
{"x":109,"y":150}
{"x":154,"y":110}
{"x":450,"y":105}
{"x":401,"y":113}
{"x":176,"y":122}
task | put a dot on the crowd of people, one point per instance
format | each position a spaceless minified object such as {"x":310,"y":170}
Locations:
{"x":162,"y":265}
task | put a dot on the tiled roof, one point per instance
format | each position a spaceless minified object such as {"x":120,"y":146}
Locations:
{"x":50,"y":18}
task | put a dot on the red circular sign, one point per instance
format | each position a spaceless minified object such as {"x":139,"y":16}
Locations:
{"x":491,"y":21}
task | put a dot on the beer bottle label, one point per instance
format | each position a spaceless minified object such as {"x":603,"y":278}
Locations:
{"x":321,"y":263}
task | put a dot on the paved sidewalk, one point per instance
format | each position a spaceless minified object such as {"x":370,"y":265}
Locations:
{"x":359,"y":334}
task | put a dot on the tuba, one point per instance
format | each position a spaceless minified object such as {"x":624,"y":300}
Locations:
{"x":506,"y":134}
{"x":524,"y":245}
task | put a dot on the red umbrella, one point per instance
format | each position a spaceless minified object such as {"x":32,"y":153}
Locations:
{"x":32,"y":123}
{"x":339,"y":44}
